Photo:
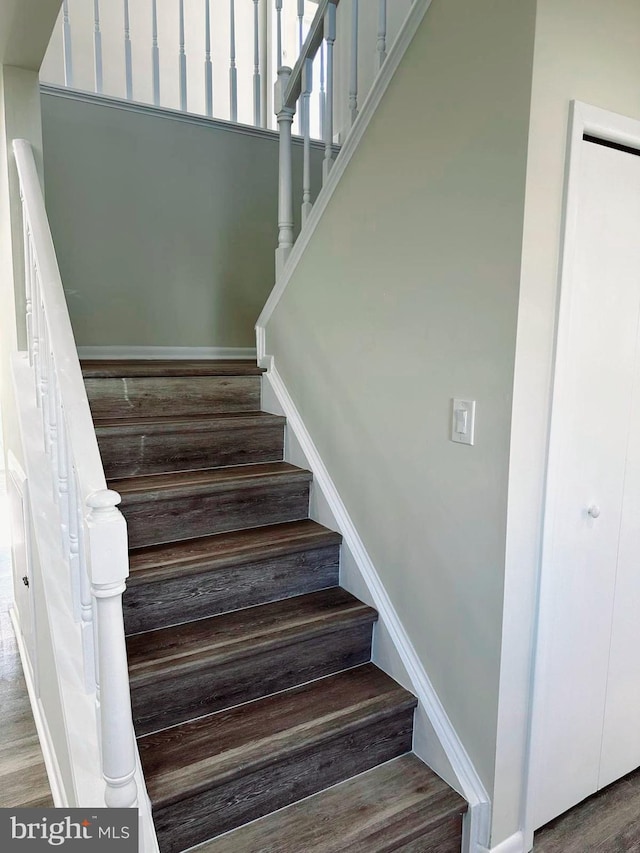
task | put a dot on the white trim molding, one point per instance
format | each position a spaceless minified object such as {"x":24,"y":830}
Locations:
{"x":513,"y":844}
{"x":168,"y":353}
{"x":51,"y":764}
{"x":370,"y":105}
{"x":469,"y":783}
{"x":612,"y":127}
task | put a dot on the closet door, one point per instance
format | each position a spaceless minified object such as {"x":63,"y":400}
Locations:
{"x":591,"y":526}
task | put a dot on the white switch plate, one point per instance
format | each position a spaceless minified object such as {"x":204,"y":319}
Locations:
{"x":463,"y":420}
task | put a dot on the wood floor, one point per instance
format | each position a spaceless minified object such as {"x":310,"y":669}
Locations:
{"x":23,"y":779}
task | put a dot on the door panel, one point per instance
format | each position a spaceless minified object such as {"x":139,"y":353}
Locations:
{"x":590,"y":442}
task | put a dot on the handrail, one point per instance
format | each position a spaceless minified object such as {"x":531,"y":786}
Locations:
{"x":309,"y":50}
{"x":93,"y":531}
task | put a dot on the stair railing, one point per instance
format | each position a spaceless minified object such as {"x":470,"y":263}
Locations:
{"x":93,"y":532}
{"x":295,"y":88}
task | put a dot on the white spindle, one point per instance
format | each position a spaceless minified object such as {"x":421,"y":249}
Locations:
{"x":74,"y":537}
{"x":279,"y":32}
{"x":300,"y":25}
{"x":305,"y":107}
{"x":330,"y":37}
{"x":128,"y":68}
{"x":155,"y":53}
{"x":66,"y":45}
{"x":44,"y":380}
{"x":63,"y":476}
{"x":36,"y":328}
{"x":233,"y":71}
{"x":86,"y":611}
{"x":257,"y":86}
{"x":382,"y":32}
{"x":97,"y":46}
{"x":182,"y":59}
{"x":322,"y":100}
{"x":353,"y":77}
{"x":52,"y":419}
{"x":108,"y":548}
{"x":285,"y":187}
{"x":208,"y":67}
{"x":28,"y":283}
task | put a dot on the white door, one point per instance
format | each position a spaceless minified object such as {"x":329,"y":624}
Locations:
{"x":587,"y":712}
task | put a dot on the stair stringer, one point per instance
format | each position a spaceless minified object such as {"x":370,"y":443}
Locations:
{"x":435,"y":740}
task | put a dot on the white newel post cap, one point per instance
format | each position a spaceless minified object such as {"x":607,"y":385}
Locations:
{"x":108,"y":545}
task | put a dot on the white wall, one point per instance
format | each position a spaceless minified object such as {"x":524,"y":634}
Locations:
{"x":589,"y":51}
{"x":165,"y":229}
{"x":405,"y":297}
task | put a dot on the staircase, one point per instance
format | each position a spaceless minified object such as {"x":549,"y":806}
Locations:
{"x":262,"y":724}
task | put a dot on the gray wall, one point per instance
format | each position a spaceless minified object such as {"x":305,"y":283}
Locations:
{"x":407,"y":296}
{"x":165,"y":229}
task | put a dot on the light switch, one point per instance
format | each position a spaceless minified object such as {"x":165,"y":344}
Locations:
{"x":463,"y":417}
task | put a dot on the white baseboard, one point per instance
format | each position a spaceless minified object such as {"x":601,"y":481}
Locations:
{"x":46,"y":744}
{"x":168,"y":353}
{"x":477,"y":822}
{"x":513,"y":844}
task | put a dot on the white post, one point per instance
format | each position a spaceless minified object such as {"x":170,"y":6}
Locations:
{"x":74,"y":538}
{"x":279,"y":32}
{"x":128,"y":69}
{"x":382,"y":32}
{"x":66,"y":45}
{"x":305,"y":108}
{"x":330,"y":37}
{"x":97,"y":46}
{"x":353,"y":82}
{"x":86,"y":607}
{"x":155,"y":53}
{"x":233,"y":71}
{"x":285,"y":187}
{"x":109,"y":569}
{"x":322,"y":94}
{"x":256,"y":65}
{"x":300,"y":25}
{"x":63,"y":477}
{"x":208,"y":67}
{"x":182,"y":59}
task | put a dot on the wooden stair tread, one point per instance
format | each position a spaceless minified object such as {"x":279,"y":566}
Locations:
{"x":129,"y":368}
{"x":205,"y":553}
{"x":392,"y":804}
{"x":231,"y":477}
{"x":235,"y":635}
{"x":187,"y":758}
{"x":188,"y":423}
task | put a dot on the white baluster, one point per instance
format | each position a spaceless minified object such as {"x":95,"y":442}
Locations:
{"x":305,"y":109}
{"x":66,"y":45}
{"x":36,"y":328}
{"x":322,"y":96}
{"x":182,"y":58}
{"x":97,"y":46}
{"x":330,"y":37}
{"x":382,"y":32}
{"x":208,"y":67}
{"x":109,"y":569}
{"x":28,"y":283}
{"x":155,"y":53}
{"x":74,"y":537}
{"x":285,"y":187}
{"x":86,"y":605}
{"x":44,"y":380}
{"x":63,"y":477}
{"x":257,"y":86}
{"x":128,"y":68}
{"x":52,"y":418}
{"x":353,"y":79}
{"x":233,"y":72}
{"x":300,"y":25}
{"x":279,"y":32}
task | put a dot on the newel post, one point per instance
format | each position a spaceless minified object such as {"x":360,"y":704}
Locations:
{"x":285,"y":116}
{"x":109,"y":569}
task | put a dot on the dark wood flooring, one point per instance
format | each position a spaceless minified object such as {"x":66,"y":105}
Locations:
{"x":607,"y":822}
{"x":23,"y":778}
